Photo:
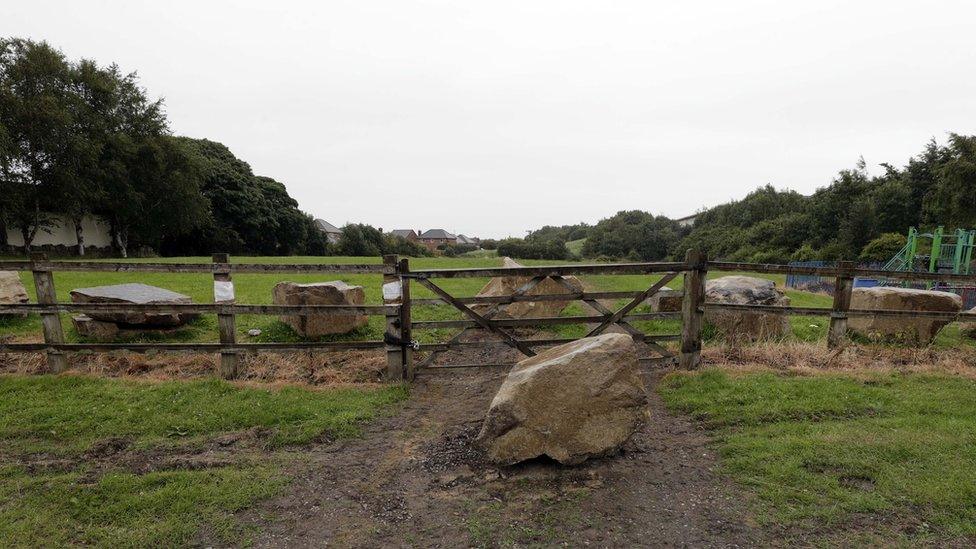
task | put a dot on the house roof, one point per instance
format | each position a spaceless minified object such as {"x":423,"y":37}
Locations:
{"x":437,"y":233}
{"x":403,"y":232}
{"x":327,"y":227}
{"x":465,"y":240}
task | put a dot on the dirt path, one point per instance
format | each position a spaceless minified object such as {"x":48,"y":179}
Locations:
{"x":414,"y":480}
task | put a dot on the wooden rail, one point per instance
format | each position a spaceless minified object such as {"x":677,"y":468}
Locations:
{"x":397,"y":306}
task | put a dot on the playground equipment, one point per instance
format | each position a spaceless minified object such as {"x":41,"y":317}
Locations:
{"x":947,"y":252}
{"x":935,"y":252}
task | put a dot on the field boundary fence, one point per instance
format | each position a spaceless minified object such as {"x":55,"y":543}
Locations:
{"x":478,"y":312}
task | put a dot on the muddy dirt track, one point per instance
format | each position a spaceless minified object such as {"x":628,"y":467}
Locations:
{"x":415,"y":480}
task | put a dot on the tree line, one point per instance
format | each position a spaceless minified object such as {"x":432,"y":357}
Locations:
{"x":857,"y":216}
{"x":79,"y":139}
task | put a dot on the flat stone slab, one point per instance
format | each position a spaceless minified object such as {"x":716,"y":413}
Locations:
{"x":136,"y":293}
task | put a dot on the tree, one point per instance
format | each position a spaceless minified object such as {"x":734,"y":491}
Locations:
{"x":950,"y":200}
{"x":634,"y":235}
{"x":35,"y":115}
{"x":151,"y":182}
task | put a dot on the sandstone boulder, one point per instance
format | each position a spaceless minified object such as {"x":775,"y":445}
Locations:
{"x":666,"y":300}
{"x":507,"y":285}
{"x":138,"y":294}
{"x":321,"y":293}
{"x":95,"y":329}
{"x":12,"y":290}
{"x":918,"y":331}
{"x":579,"y":400}
{"x":746,"y":290}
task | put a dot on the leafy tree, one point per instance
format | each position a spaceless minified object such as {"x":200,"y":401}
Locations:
{"x":950,"y":200}
{"x":566,"y":233}
{"x":365,"y":240}
{"x":36,"y":119}
{"x":533,"y":249}
{"x":634,"y":235}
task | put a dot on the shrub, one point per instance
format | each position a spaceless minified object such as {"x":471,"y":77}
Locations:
{"x":883,"y":248}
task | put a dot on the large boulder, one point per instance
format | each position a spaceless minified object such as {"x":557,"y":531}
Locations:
{"x":579,"y":400}
{"x":140,"y":294}
{"x":507,"y":285}
{"x":12,"y":290}
{"x":906,"y":329}
{"x":321,"y":293}
{"x":745,"y":290}
{"x":666,"y":300}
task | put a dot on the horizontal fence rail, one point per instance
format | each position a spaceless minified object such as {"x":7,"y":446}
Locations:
{"x":195,"y":347}
{"x":206,"y":268}
{"x":838,"y":271}
{"x":549,"y":271}
{"x":196,"y":308}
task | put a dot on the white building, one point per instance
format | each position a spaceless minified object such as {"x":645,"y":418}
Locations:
{"x":62,"y":233}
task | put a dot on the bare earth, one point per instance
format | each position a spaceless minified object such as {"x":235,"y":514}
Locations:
{"x":415,"y":480}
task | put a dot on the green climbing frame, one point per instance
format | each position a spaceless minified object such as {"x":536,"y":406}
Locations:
{"x":947,"y":252}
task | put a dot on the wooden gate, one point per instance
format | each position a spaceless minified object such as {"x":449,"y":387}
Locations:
{"x":486,"y":317}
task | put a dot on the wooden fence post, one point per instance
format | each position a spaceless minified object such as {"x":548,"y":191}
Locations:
{"x":406,"y":333}
{"x":57,"y":362}
{"x":393,"y":295}
{"x":692,"y":310}
{"x":843,"y":286}
{"x":226,"y":323}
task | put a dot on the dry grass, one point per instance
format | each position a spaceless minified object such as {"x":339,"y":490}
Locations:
{"x":803,"y":358}
{"x":318,"y":369}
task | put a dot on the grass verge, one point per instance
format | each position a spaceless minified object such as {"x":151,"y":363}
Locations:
{"x":119,"y":463}
{"x":891,"y":456}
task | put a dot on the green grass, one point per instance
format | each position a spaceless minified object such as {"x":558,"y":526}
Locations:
{"x":824,"y":452}
{"x":575,"y":247}
{"x":47,"y":418}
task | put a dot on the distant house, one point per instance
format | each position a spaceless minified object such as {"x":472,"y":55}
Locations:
{"x":686,"y":221}
{"x":408,"y":234}
{"x":332,"y":233}
{"x":465,"y":241}
{"x":432,"y":238}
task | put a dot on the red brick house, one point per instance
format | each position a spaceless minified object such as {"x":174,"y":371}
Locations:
{"x":432,"y":238}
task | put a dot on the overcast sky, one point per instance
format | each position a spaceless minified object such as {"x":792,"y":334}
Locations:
{"x":490,"y":118}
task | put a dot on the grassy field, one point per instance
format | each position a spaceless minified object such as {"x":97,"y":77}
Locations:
{"x":101,"y":462}
{"x":886,"y":460}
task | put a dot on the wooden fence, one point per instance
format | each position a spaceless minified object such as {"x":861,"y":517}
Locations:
{"x":398,"y":341}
